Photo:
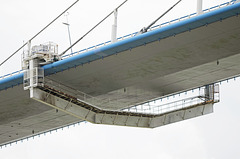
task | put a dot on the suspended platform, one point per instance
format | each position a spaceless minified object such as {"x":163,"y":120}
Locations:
{"x":86,"y":107}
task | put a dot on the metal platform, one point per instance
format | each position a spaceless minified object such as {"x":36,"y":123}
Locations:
{"x":89,"y":108}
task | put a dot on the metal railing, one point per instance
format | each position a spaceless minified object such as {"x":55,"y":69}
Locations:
{"x":81,"y":96}
{"x":159,"y":106}
{"x":150,"y":29}
{"x":37,"y":76}
{"x":132,"y":34}
{"x":11,"y":74}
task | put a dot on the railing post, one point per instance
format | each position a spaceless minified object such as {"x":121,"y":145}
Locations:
{"x":207,"y":93}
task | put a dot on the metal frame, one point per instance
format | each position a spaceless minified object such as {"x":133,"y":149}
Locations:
{"x":83,"y":106}
{"x":36,"y":75}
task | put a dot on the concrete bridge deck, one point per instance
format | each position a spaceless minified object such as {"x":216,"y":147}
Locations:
{"x":197,"y":51}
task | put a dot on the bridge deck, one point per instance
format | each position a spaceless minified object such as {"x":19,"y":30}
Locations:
{"x":181,"y":56}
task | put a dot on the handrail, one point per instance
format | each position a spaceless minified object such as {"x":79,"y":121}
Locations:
{"x":11,"y":74}
{"x":133,"y":34}
{"x":129,"y":112}
{"x":146,"y":107}
{"x":154,"y":27}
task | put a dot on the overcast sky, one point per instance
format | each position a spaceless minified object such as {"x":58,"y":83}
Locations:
{"x":214,"y":136}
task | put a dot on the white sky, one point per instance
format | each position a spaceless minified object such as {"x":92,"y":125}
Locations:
{"x":211,"y":136}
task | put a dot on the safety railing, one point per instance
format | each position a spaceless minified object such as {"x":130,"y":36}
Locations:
{"x":150,"y":29}
{"x":11,"y":74}
{"x":81,"y":96}
{"x":47,"y":48}
{"x":159,"y":106}
{"x":36,"y":74}
{"x":133,"y":34}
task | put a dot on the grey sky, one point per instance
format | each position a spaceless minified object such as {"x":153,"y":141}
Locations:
{"x":214,"y":136}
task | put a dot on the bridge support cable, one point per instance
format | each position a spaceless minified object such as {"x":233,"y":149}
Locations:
{"x":29,"y":41}
{"x":145,"y":29}
{"x":83,"y":107}
{"x":91,"y":29}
